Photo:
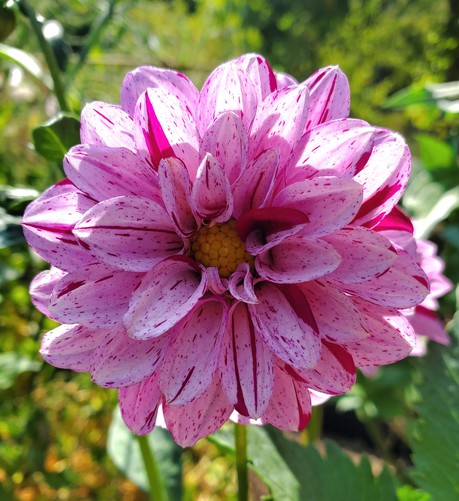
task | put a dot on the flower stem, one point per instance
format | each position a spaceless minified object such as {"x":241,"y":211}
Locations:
{"x":48,"y":53}
{"x":240,"y":435}
{"x":155,"y":482}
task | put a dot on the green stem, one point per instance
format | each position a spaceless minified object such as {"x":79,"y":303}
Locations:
{"x":93,"y":37}
{"x":155,"y":481}
{"x":240,"y":435}
{"x":50,"y":58}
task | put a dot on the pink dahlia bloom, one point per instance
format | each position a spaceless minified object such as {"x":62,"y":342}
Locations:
{"x":214,"y":251}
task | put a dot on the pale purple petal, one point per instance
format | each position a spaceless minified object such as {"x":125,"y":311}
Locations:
{"x":226,"y":139}
{"x":106,"y":125}
{"x":260,"y":73}
{"x":330,"y":96}
{"x":139,"y":405}
{"x":284,"y":325}
{"x":246,"y":366}
{"x":95,"y":296}
{"x":42,"y":287}
{"x":426,"y":323}
{"x":284,"y":80}
{"x":102,"y":172}
{"x":297,"y":259}
{"x":192,"y":358}
{"x":129,"y":233}
{"x":211,"y":193}
{"x":215,"y":283}
{"x":241,"y":284}
{"x":188,"y":423}
{"x":166,"y":295}
{"x":142,"y":78}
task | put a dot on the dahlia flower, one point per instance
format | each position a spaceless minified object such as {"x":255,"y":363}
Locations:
{"x":214,"y":251}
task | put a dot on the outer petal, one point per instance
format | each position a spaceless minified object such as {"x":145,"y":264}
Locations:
{"x":71,"y":346}
{"x":164,"y":128}
{"x":192,"y":358}
{"x":284,"y":327}
{"x":247,"y":365}
{"x":365,"y":254}
{"x":107,"y":125}
{"x":384,"y":177}
{"x":316,"y":196}
{"x":330,"y":96}
{"x":426,"y":323}
{"x":142,"y":78}
{"x":391,"y":337}
{"x":254,"y":187}
{"x":297,"y":259}
{"x":188,"y":423}
{"x":104,"y":172}
{"x":279,"y":122}
{"x":166,"y":295}
{"x":42,"y":287}
{"x":130,"y":233}
{"x":334,"y":373}
{"x":284,"y":80}
{"x":403,"y":285}
{"x":260,"y":73}
{"x":226,"y":139}
{"x":176,"y":191}
{"x":48,"y":222}
{"x":139,"y":405}
{"x":95,"y":296}
{"x":290,"y":404}
{"x":227,"y":88}
{"x":211,"y":193}
{"x":123,"y":361}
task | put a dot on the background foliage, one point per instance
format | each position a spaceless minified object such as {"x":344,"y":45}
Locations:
{"x":53,"y":425}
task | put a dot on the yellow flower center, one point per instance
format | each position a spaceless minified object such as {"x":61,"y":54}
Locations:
{"x":220,"y":246}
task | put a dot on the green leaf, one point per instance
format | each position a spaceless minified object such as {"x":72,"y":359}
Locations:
{"x":124,"y":450}
{"x":55,"y":137}
{"x":296,"y":473}
{"x":435,"y":153}
{"x":435,"y":437}
{"x":407,"y":493}
{"x":10,"y":230}
{"x":408,"y":97}
{"x":13,"y":364}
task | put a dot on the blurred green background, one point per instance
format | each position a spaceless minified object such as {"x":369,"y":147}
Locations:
{"x":53,"y":424}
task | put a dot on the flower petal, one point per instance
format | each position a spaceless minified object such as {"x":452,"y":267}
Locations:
{"x":211,"y":193}
{"x":71,"y":346}
{"x":166,"y":294}
{"x":95,"y":296}
{"x":260,"y":73}
{"x":42,"y":287}
{"x":136,"y":82}
{"x":314,"y":197}
{"x":103,"y":172}
{"x":48,"y":223}
{"x":290,"y":405}
{"x":240,"y":284}
{"x":426,"y":323}
{"x":139,"y":405}
{"x":107,"y":125}
{"x":297,"y":259}
{"x":284,"y":325}
{"x":209,"y":412}
{"x":226,"y":139}
{"x":129,"y":233}
{"x":192,"y":358}
{"x":164,"y":128}
{"x":330,"y":96}
{"x":247,"y":366}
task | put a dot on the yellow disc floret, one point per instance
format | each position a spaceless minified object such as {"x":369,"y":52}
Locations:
{"x":220,"y":246}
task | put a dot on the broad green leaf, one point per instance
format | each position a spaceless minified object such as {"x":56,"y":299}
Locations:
{"x":447,"y":203}
{"x":434,"y":152}
{"x":55,"y":137}
{"x":13,"y":364}
{"x":297,"y":473}
{"x":124,"y":450}
{"x":27,"y":62}
{"x":435,"y":436}
{"x":408,"y":97}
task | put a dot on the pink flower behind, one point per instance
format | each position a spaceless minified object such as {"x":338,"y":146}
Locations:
{"x":215,"y":251}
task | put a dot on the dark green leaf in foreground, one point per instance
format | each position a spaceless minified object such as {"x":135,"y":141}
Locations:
{"x":10,"y":230}
{"x":52,"y":139}
{"x":435,"y":438}
{"x":296,"y":473}
{"x":124,"y":450}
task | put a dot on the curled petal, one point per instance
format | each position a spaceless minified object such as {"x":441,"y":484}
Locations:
{"x":139,"y":405}
{"x":241,"y":284}
{"x":215,"y":282}
{"x":166,"y":294}
{"x":42,"y":287}
{"x":190,"y":422}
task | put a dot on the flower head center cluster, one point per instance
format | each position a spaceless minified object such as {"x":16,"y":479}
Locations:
{"x":219,"y":245}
